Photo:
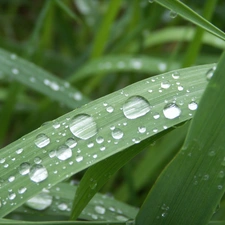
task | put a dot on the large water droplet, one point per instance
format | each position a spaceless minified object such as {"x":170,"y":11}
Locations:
{"x":83,"y":126}
{"x":40,"y":201}
{"x":41,"y":140}
{"x":63,"y":152}
{"x":117,"y":133}
{"x":171,"y":111}
{"x":136,"y":106}
{"x":38,"y":173}
{"x":24,"y":168}
{"x":99,"y":209}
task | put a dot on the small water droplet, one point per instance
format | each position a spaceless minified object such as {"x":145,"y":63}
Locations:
{"x":192,"y":105}
{"x":19,"y":151}
{"x":220,"y":187}
{"x":165,"y":84}
{"x":173,"y":14}
{"x":22,"y":190}
{"x":63,"y":152}
{"x":41,"y":140}
{"x":2,"y":160}
{"x":180,"y":88}
{"x":79,"y":158}
{"x":109,"y":109}
{"x":71,"y":142}
{"x":164,"y":214}
{"x":12,"y":196}
{"x":175,"y":75}
{"x":171,"y":111}
{"x":100,"y":209}
{"x":205,"y":177}
{"x":156,"y":116}
{"x":62,"y":206}
{"x":136,"y":64}
{"x":56,"y":124}
{"x":15,"y":71}
{"x":142,"y":129}
{"x":24,"y":168}
{"x":136,"y":106}
{"x":37,"y":160}
{"x":121,"y":218}
{"x":221,"y":174}
{"x":40,"y":201}
{"x":99,"y":140}
{"x":117,"y":133}
{"x":38,"y":173}
{"x":210,"y":72}
{"x":83,"y":126}
{"x":52,"y":153}
{"x":90,"y":145}
{"x":93,"y":184}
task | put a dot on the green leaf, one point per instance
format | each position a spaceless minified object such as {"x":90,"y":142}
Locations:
{"x":190,"y":15}
{"x":36,"y":78}
{"x":99,"y":129}
{"x":196,"y":175}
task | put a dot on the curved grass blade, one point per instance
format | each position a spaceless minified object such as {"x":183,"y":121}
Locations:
{"x":122,"y":63}
{"x":190,"y":15}
{"x":99,"y":129}
{"x":36,"y":78}
{"x":173,"y":34}
{"x":196,"y":175}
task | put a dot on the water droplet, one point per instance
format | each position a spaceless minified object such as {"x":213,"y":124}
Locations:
{"x":102,"y":148}
{"x":99,"y":140}
{"x":165,"y":84}
{"x":11,"y":179}
{"x":40,"y":201}
{"x":171,"y":111}
{"x":121,"y":218}
{"x":210,"y":72}
{"x":19,"y":151}
{"x":71,"y":142}
{"x":136,"y":64}
{"x":12,"y":196}
{"x":2,"y":160}
{"x":24,"y":168}
{"x":52,"y":153}
{"x":90,"y":145}
{"x":162,"y":66}
{"x":109,"y":109}
{"x":136,"y":106}
{"x":77,"y":96}
{"x":156,"y":116}
{"x":117,"y":133}
{"x":205,"y":177}
{"x":37,"y":160}
{"x":220,"y":187}
{"x":56,"y":125}
{"x":175,"y":75}
{"x":221,"y":174}
{"x":41,"y":140}
{"x":99,"y":209}
{"x":15,"y":71}
{"x":173,"y":14}
{"x":63,"y":152}
{"x":93,"y":184}
{"x":142,"y":129}
{"x":83,"y":126}
{"x":79,"y":158}
{"x":22,"y":190}
{"x":38,"y":173}
{"x":164,"y":214}
{"x":192,"y":105}
{"x":180,"y":88}
{"x":62,"y":206}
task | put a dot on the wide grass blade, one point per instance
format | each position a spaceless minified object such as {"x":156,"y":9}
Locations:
{"x":188,"y":14}
{"x":42,"y":81}
{"x":190,"y":188}
{"x":99,"y":129}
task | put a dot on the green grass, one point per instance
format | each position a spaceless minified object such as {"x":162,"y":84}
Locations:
{"x":112,"y":112}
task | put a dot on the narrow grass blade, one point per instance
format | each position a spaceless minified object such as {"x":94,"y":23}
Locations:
{"x":36,"y":78}
{"x":188,"y":14}
{"x":196,"y":175}
{"x":99,"y":129}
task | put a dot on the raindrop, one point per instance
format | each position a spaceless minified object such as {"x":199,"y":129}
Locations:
{"x":52,"y":153}
{"x":15,"y":71}
{"x":19,"y":151}
{"x":165,"y":84}
{"x":121,"y":218}
{"x":117,"y":133}
{"x":40,"y":201}
{"x":63,"y":152}
{"x":71,"y":142}
{"x":156,"y":116}
{"x":22,"y":190}
{"x":192,"y":105}
{"x":12,"y":196}
{"x":171,"y":111}
{"x":173,"y":14}
{"x":221,"y":174}
{"x":210,"y":73}
{"x":24,"y":168}
{"x":99,"y":209}
{"x":102,"y":148}
{"x":136,"y":64}
{"x":142,"y":129}
{"x":11,"y":179}
{"x":77,"y":96}
{"x":2,"y":160}
{"x":180,"y":88}
{"x":62,"y":206}
{"x":38,"y":173}
{"x":176,"y":75}
{"x":41,"y":140}
{"x":37,"y":160}
{"x":56,"y":125}
{"x":164,"y":214}
{"x":83,"y":126}
{"x":219,"y":187}
{"x":79,"y":158}
{"x":109,"y":109}
{"x":136,"y":106}
{"x":99,"y":140}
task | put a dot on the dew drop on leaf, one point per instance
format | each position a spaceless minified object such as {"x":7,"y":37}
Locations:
{"x":24,"y":168}
{"x":175,"y":75}
{"x":99,"y":140}
{"x":117,"y":133}
{"x":136,"y":106}
{"x":63,"y":152}
{"x":38,"y":173}
{"x":142,"y":129}
{"x":83,"y":126}
{"x":40,"y":201}
{"x":19,"y":151}
{"x":173,"y":14}
{"x":41,"y":140}
{"x":109,"y":109}
{"x":121,"y":218}
{"x":12,"y":196}
{"x":165,"y":84}
{"x":79,"y":158}
{"x":192,"y":105}
{"x":62,"y":206}
{"x":71,"y":142}
{"x":210,"y":73}
{"x":99,"y":209}
{"x":22,"y":190}
{"x":171,"y":111}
